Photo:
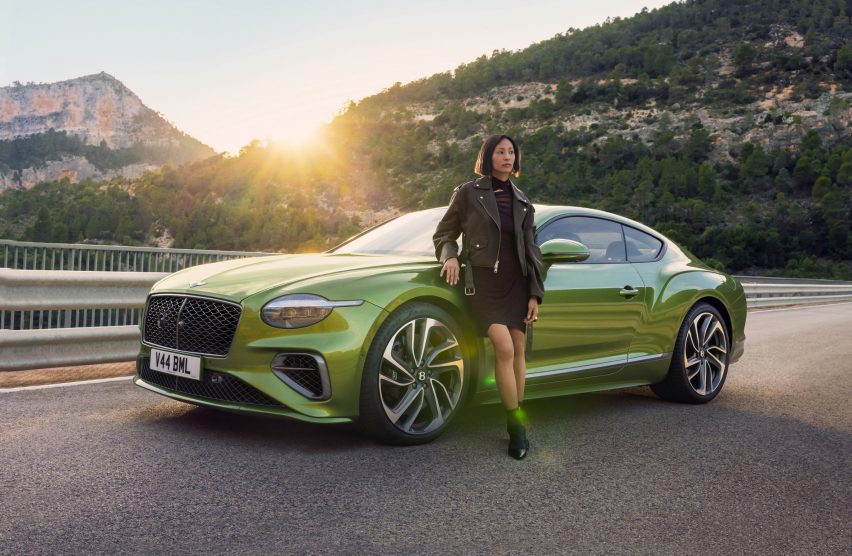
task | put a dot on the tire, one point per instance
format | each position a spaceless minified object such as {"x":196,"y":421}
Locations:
{"x":415,"y":376}
{"x":700,"y":361}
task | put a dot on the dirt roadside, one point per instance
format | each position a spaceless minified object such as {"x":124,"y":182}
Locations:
{"x":57,"y":375}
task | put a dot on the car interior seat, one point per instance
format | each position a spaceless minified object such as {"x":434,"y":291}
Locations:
{"x":615,"y":252}
{"x":632,"y":250}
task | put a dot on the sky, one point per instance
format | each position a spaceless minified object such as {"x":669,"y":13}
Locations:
{"x":228,"y":72}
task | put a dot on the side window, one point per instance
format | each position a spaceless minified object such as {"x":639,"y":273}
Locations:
{"x":641,"y":247}
{"x":602,"y":237}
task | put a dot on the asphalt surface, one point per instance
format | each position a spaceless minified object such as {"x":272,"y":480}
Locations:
{"x":765,"y":468}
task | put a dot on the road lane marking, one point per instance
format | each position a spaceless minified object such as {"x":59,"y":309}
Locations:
{"x":63,"y":384}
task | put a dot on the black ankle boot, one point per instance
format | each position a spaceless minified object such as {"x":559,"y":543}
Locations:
{"x":519,"y":445}
{"x":519,"y":415}
{"x":524,"y":417}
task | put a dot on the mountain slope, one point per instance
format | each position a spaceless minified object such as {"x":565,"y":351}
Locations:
{"x":724,"y":124}
{"x":89,"y":127}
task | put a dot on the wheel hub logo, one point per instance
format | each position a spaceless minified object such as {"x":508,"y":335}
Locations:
{"x":421,"y":376}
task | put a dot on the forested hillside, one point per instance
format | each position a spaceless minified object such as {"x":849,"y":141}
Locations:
{"x":39,"y":149}
{"x":725,"y":125}
{"x":260,"y":200}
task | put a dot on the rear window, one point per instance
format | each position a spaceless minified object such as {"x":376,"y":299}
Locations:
{"x":641,"y":247}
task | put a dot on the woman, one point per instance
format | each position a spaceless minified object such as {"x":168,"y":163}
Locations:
{"x":497,"y":223}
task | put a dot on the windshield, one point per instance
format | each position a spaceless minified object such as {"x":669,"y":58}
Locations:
{"x":409,"y":234}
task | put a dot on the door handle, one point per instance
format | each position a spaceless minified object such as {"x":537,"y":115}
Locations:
{"x":628,"y":292}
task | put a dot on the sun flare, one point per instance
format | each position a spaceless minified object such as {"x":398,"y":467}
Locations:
{"x":298,"y":134}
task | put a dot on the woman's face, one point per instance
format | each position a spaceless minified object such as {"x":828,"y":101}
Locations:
{"x":503,"y":159}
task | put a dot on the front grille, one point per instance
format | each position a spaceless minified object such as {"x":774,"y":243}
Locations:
{"x":191,"y":324}
{"x":213,"y":386}
{"x":305,"y":372}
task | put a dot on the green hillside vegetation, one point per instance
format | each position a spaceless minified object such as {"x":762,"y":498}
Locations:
{"x":723,"y":124}
{"x":259,"y":200}
{"x":672,"y":50}
{"x":773,"y":211}
{"x":35,"y":150}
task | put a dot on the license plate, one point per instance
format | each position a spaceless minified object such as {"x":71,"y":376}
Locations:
{"x":176,"y":364}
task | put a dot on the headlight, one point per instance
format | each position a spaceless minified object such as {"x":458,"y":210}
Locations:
{"x":299,"y":310}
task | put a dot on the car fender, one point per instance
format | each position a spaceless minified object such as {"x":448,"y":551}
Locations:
{"x":406,"y":285}
{"x":678,"y":294}
{"x":389,"y":290}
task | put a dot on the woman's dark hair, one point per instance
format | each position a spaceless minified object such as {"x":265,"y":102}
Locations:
{"x":483,"y":165}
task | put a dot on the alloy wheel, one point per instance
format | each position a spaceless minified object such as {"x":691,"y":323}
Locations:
{"x":705,"y":353}
{"x":421,"y":376}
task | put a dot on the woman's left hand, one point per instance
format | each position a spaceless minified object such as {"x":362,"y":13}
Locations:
{"x":532,"y":311}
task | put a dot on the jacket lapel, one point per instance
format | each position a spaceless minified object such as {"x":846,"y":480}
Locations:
{"x":519,"y":208}
{"x":486,"y":199}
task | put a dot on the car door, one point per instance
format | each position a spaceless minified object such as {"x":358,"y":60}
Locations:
{"x":591,"y":309}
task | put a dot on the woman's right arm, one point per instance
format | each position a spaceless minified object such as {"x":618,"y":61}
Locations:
{"x":446,"y":233}
{"x":449,"y":228}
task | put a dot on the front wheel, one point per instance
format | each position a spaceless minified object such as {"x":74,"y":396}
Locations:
{"x":700,"y":361}
{"x":414,"y":378}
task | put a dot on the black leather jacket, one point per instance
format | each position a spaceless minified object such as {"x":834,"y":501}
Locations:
{"x":473,"y":212}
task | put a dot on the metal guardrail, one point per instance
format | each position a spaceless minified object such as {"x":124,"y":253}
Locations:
{"x":79,"y":257}
{"x":74,"y":293}
{"x":778,"y":292}
{"x":85,"y":317}
{"x":60,"y":347}
{"x":28,"y":255}
{"x":65,"y":289}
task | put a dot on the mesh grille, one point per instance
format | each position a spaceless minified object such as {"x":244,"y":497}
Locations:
{"x":213,"y":386}
{"x":301,"y":369}
{"x":191,"y":324}
{"x":161,"y":319}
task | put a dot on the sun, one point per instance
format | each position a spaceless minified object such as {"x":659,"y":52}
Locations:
{"x":298,"y":135}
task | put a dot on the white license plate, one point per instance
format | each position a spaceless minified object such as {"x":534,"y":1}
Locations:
{"x":176,"y":364}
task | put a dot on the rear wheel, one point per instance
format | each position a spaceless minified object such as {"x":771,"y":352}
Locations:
{"x":415,"y":376}
{"x":700,"y":361}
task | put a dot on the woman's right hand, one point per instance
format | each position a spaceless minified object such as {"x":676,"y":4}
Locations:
{"x":451,"y":267}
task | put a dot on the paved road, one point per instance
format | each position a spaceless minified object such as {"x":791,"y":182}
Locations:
{"x":765,"y":468}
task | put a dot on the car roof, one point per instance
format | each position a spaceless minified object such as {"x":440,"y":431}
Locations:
{"x":545,"y":212}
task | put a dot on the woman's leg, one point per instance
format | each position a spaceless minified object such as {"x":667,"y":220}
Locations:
{"x":519,"y":363}
{"x":504,"y":355}
{"x":506,"y":373}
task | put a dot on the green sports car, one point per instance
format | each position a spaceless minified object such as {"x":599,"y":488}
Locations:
{"x":370,"y":332}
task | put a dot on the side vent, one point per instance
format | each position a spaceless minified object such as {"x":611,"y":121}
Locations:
{"x":306,"y":373}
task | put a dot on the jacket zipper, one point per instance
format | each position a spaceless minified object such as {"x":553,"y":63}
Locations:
{"x":499,"y":236}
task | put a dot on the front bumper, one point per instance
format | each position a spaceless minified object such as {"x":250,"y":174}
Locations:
{"x":341,"y":340}
{"x":281,"y":411}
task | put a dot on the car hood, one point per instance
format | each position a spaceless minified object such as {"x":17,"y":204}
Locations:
{"x":239,"y":278}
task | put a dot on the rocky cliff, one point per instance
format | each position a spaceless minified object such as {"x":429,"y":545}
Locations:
{"x":101,"y":113}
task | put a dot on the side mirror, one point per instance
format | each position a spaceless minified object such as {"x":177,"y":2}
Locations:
{"x":564,"y":251}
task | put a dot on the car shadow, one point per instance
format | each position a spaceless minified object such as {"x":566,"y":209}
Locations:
{"x":471,"y":425}
{"x":554,"y":412}
{"x":270,"y":431}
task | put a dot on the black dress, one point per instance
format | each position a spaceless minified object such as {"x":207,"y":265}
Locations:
{"x":501,"y":297}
